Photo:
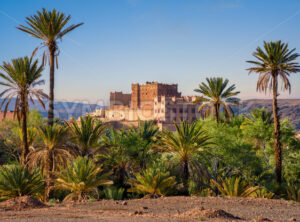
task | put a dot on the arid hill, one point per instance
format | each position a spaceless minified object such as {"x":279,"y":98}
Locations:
{"x":287,"y":107}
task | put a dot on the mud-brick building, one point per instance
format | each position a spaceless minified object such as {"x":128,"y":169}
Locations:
{"x":151,"y":101}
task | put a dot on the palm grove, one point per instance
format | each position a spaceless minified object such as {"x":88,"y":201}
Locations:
{"x":253,"y":155}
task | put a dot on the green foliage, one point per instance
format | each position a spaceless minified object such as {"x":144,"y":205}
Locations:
{"x":86,"y":134}
{"x":21,"y":76}
{"x":115,"y":155}
{"x":232,"y":150}
{"x":152,"y":182}
{"x":16,"y":180}
{"x":258,"y":130}
{"x":274,"y":60}
{"x":52,"y":149}
{"x":81,"y":177}
{"x":10,"y":134}
{"x":263,"y":193}
{"x":293,"y":192}
{"x":215,"y":95}
{"x":234,"y":187}
{"x":140,"y":141}
{"x":189,"y":140}
{"x":48,"y":26}
{"x":113,"y":193}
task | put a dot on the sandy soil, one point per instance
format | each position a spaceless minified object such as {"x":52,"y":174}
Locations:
{"x":162,"y":209}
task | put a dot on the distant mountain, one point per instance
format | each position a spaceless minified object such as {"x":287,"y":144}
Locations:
{"x":287,"y":108}
{"x":63,"y":110}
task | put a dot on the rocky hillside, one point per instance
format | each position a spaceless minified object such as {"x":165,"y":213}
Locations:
{"x":287,"y":107}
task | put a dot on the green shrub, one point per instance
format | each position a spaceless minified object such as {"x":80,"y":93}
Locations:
{"x":81,"y":177}
{"x":16,"y":180}
{"x":152,"y":182}
{"x":293,"y":192}
{"x":113,"y":193}
{"x":263,"y":193}
{"x":234,"y":187}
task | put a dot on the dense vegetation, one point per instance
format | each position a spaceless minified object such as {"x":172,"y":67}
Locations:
{"x":255,"y":155}
{"x":203,"y":158}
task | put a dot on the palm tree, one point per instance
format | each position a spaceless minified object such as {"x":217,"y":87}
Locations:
{"x":214,"y":95}
{"x":86,"y":135}
{"x":52,"y":154}
{"x":49,"y":26}
{"x":115,"y":157}
{"x":21,"y":76}
{"x":274,"y":62}
{"x":147,"y":132}
{"x":81,"y":177}
{"x":188,"y":140}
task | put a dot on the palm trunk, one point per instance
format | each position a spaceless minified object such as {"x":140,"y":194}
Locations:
{"x":51,"y":90}
{"x":25,"y":148}
{"x":277,"y":143}
{"x":48,"y":172}
{"x":217,"y":113}
{"x":186,"y":176}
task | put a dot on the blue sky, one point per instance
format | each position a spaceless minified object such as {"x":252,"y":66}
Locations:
{"x":170,"y":41}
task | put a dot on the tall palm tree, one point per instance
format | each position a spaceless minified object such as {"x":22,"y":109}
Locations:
{"x":86,"y":134}
{"x":214,"y":95}
{"x":188,"y":140}
{"x":52,"y":154}
{"x":21,"y":76}
{"x":49,"y":26}
{"x":275,"y":61}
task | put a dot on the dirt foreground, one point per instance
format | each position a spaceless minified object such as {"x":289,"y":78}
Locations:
{"x":162,"y":209}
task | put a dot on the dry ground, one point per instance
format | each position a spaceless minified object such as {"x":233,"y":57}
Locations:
{"x":162,"y":209}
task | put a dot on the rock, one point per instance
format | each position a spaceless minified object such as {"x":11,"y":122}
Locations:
{"x":259,"y":219}
{"x":137,"y":212}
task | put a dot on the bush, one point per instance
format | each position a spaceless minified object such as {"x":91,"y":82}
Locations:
{"x":16,"y":181}
{"x":81,"y":177}
{"x":113,"y":193}
{"x":293,"y":192}
{"x":263,"y":193}
{"x":152,"y":182}
{"x":234,"y":187}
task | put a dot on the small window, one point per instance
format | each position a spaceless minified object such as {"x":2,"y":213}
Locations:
{"x":174,"y":110}
{"x":193,"y":110}
{"x":180,"y":110}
